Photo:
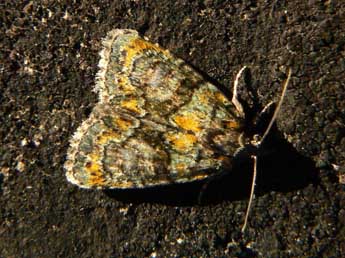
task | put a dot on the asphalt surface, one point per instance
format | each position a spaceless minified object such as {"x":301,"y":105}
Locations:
{"x":49,"y":55}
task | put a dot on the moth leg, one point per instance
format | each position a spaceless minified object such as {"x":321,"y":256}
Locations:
{"x":263,"y":119}
{"x":266,"y":113}
{"x":267,"y":108}
{"x":234,"y":99}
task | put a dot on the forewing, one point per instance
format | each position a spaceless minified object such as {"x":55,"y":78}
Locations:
{"x":107,"y":152}
{"x":158,"y":121}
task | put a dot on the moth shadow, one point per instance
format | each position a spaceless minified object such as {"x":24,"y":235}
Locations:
{"x":280,"y":168}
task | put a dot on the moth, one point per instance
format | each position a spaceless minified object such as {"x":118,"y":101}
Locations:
{"x":157,"y":121}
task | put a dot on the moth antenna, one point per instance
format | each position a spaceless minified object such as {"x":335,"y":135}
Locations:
{"x":276,"y":111}
{"x":274,"y":117}
{"x":234,"y":99}
{"x":251,"y":194}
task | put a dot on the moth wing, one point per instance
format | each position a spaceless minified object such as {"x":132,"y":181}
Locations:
{"x":158,"y":121}
{"x":107,"y":152}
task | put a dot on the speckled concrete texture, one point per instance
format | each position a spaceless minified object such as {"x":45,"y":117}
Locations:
{"x":49,"y":55}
